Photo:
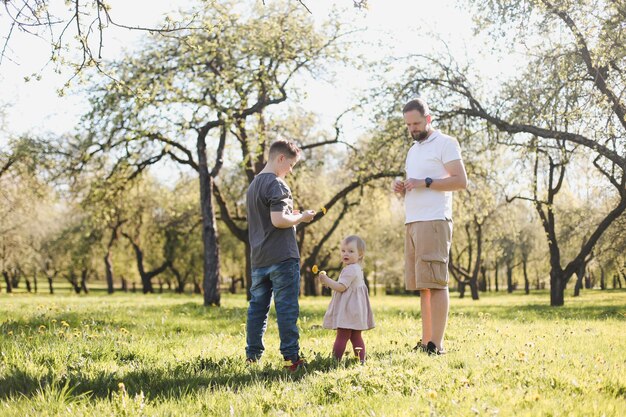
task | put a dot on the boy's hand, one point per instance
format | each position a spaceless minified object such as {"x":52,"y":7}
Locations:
{"x":308,"y":215}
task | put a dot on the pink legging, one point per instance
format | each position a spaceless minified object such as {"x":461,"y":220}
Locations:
{"x":354,"y":336}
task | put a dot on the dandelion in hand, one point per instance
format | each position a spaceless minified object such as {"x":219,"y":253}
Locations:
{"x":316,"y":270}
{"x":323,"y":210}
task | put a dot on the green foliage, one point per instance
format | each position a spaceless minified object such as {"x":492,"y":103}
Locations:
{"x":510,"y":355}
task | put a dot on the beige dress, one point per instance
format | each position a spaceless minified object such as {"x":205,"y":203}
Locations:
{"x":350,"y":309}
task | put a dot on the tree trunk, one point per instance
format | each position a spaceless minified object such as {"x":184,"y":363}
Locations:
{"x":74,"y":282}
{"x":602,"y":279}
{"x":83,"y":282}
{"x":526,"y":280}
{"x":578,"y":286}
{"x":7,"y":280}
{"x":495,"y":278}
{"x":590,"y":280}
{"x":483,"y":279}
{"x":197,"y":289}
{"x":146,"y":277}
{"x":248,"y":269}
{"x":558,"y":282}
{"x":580,"y":272}
{"x":146,"y":281}
{"x":35,"y":280}
{"x":509,"y":278}
{"x":108,"y":268}
{"x":309,"y":283}
{"x":50,"y":287}
{"x":474,"y":289}
{"x":211,"y":256}
{"x":478,"y":263}
{"x":462,"y":284}
{"x":180,"y":282}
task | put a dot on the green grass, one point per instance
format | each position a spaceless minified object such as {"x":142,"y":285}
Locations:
{"x":132,"y":355}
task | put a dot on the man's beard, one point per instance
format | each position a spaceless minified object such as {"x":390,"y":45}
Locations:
{"x":419,"y":136}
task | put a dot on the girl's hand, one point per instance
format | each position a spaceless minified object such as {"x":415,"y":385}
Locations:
{"x":322,"y":277}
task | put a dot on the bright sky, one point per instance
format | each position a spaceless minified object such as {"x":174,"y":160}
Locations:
{"x":35,"y":106}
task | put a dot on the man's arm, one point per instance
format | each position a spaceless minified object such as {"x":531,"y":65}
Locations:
{"x":456,"y":180}
{"x":282,"y":220}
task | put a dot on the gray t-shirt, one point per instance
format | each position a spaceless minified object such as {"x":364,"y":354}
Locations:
{"x":269,"y":244}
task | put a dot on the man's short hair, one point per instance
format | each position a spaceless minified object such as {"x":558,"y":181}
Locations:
{"x":284,"y":146}
{"x":416,"y":104}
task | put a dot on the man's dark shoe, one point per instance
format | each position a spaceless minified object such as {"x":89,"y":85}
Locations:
{"x":293,"y":366}
{"x":431,"y":349}
{"x":420,"y":347}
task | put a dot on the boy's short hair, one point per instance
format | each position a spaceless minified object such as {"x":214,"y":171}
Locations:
{"x":285,"y":147}
{"x":417,"y":104}
{"x":360,"y":243}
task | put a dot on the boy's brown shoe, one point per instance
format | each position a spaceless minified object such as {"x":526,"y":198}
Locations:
{"x":293,"y":366}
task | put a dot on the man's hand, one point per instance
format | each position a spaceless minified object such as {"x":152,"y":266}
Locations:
{"x":413,"y":184}
{"x":398,"y":186}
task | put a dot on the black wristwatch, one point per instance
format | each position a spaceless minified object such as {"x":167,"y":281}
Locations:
{"x":428,"y":181}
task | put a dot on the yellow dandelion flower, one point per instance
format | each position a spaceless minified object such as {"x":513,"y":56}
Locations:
{"x":432,"y":394}
{"x":323,"y":210}
{"x":315,"y":269}
{"x":123,"y":330}
{"x":53,"y":321}
{"x":10,"y":333}
{"x":64,"y":323}
{"x":42,"y":328}
{"x":121,"y":386}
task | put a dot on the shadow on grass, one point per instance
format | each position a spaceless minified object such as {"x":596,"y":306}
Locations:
{"x":164,"y":382}
{"x":535,"y":311}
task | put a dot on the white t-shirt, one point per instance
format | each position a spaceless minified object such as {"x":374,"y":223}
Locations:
{"x":427,"y":159}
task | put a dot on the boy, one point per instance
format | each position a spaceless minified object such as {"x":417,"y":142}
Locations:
{"x":274,"y":254}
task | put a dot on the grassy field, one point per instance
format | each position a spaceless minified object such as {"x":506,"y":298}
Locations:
{"x":133,"y":355}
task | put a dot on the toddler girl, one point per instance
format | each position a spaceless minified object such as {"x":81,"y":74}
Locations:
{"x":349,"y":310}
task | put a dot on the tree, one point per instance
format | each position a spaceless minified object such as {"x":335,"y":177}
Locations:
{"x":80,"y":26}
{"x":183,"y":96}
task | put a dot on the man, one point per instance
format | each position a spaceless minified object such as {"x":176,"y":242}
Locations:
{"x":274,"y":255}
{"x":434,"y":169}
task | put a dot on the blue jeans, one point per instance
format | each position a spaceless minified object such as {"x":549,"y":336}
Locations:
{"x":283,"y":281}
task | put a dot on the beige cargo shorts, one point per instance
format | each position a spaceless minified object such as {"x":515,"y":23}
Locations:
{"x":426,"y":250}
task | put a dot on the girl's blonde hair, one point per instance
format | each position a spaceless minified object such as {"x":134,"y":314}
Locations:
{"x":360,"y":245}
